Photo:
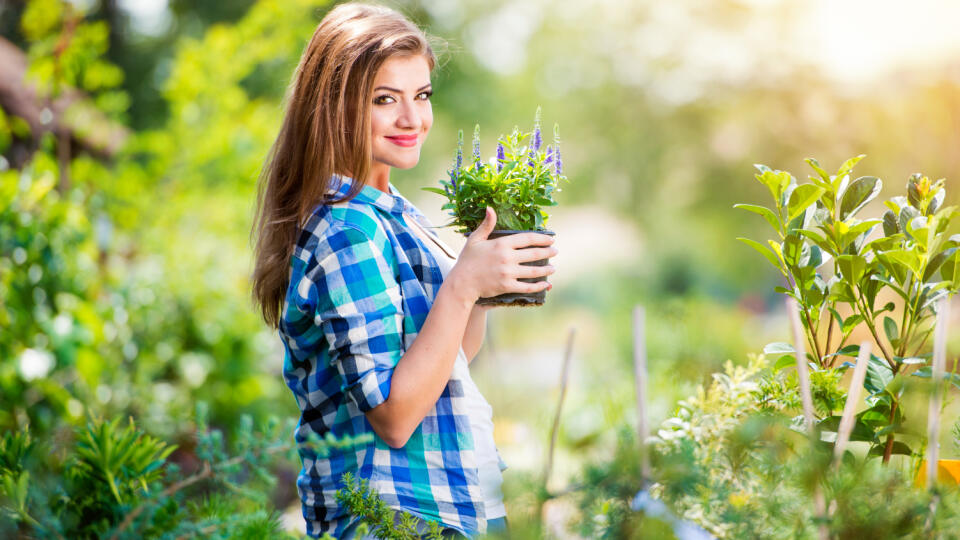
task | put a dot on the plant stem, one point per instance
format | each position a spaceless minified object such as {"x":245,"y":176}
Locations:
{"x":904,"y":321}
{"x":813,"y":334}
{"x":922,"y":342}
{"x":888,"y":449}
{"x":876,"y":337}
{"x":809,"y":330}
{"x":829,"y":336}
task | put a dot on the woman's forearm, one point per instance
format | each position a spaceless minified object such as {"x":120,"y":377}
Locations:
{"x":475,"y":332}
{"x":424,"y":370}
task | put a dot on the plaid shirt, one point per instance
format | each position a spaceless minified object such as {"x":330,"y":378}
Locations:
{"x":361,"y":285}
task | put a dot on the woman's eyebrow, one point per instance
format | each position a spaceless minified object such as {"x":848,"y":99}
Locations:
{"x":401,"y":91}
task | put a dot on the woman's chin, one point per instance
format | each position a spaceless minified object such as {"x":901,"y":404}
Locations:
{"x":407,"y":163}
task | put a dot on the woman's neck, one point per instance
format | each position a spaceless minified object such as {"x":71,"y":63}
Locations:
{"x":380,"y":177}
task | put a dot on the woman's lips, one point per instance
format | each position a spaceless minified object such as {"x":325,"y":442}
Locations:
{"x":404,"y":140}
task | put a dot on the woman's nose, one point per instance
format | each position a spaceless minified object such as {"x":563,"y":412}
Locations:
{"x":409,"y":116}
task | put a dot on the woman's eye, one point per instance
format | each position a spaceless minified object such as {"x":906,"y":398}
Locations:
{"x":426,"y":95}
{"x":383,"y":100}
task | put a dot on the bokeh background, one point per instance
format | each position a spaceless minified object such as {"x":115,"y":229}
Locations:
{"x":126,"y":272}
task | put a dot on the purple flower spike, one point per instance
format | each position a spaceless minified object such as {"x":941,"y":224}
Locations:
{"x":476,"y":147}
{"x":549,"y":158}
{"x":556,"y":145}
{"x":459,"y":151}
{"x":501,"y":156}
{"x":537,"y":139}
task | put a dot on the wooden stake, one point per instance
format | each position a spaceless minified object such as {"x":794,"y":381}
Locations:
{"x":936,"y":397}
{"x":640,"y":379}
{"x":803,"y":377}
{"x":853,"y":399}
{"x":564,"y":377}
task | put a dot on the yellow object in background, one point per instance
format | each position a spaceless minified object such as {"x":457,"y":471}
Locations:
{"x":948,"y":472}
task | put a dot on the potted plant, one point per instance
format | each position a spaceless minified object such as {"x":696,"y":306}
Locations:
{"x":518,"y":182}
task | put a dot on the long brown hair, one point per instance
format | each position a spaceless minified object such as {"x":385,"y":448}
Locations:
{"x":325,"y":131}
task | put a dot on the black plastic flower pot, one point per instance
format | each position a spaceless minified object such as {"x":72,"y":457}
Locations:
{"x":519,"y":299}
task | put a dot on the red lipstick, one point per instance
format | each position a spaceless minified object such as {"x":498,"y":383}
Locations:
{"x":404,"y":140}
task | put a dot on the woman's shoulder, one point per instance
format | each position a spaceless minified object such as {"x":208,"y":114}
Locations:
{"x":331,"y":227}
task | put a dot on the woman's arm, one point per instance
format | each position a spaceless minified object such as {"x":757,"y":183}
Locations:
{"x":484,"y":268}
{"x":475,"y":332}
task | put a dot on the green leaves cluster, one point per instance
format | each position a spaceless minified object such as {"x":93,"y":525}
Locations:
{"x":377,"y":518}
{"x":115,"y":481}
{"x":837,"y":264}
{"x":517,"y":185}
{"x":732,"y":460}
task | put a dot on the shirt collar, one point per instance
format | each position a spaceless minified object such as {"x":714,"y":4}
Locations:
{"x":391,"y":202}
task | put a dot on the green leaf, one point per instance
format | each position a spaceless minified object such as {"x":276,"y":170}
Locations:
{"x":908,"y":258}
{"x":778,"y":347}
{"x":861,"y":431}
{"x":852,"y":267}
{"x":848,"y":350}
{"x":850,"y":323}
{"x":765,"y":251}
{"x":815,"y":165}
{"x":849,"y":164}
{"x":776,"y":182}
{"x":907,"y":214}
{"x":890,"y":224}
{"x":801,"y":198}
{"x":858,"y":194}
{"x":936,"y":262}
{"x":792,"y":250}
{"x":763,"y":211}
{"x":878,"y":375}
{"x":784,"y":362}
{"x":899,"y":448}
{"x":890,"y":329}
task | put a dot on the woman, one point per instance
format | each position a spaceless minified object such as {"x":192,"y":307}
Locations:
{"x":377,"y":317}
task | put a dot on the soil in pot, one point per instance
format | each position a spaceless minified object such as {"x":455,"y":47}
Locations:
{"x":519,"y":299}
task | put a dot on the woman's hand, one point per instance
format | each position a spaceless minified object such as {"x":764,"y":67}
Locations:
{"x":488,"y":268}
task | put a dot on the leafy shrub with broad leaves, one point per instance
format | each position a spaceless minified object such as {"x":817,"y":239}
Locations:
{"x":885,"y":274}
{"x":517,"y":183}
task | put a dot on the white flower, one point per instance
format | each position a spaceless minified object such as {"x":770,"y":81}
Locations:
{"x":35,"y":364}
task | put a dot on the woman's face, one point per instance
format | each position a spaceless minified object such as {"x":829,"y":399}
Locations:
{"x":401,"y":114}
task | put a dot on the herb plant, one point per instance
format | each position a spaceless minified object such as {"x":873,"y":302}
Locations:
{"x":517,"y":182}
{"x":844,"y":277}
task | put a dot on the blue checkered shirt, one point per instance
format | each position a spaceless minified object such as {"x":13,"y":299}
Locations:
{"x":361,"y":284}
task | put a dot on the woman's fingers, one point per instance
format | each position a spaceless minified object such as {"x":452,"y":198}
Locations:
{"x":527,"y":288}
{"x":528,"y":272}
{"x":527,"y":239}
{"x":534,"y":254}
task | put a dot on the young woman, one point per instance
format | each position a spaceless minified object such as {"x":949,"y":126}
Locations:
{"x":377,"y":316}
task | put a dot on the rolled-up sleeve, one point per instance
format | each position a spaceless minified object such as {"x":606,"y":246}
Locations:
{"x":359,"y":311}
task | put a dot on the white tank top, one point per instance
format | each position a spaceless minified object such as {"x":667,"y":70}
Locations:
{"x":481,"y":414}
